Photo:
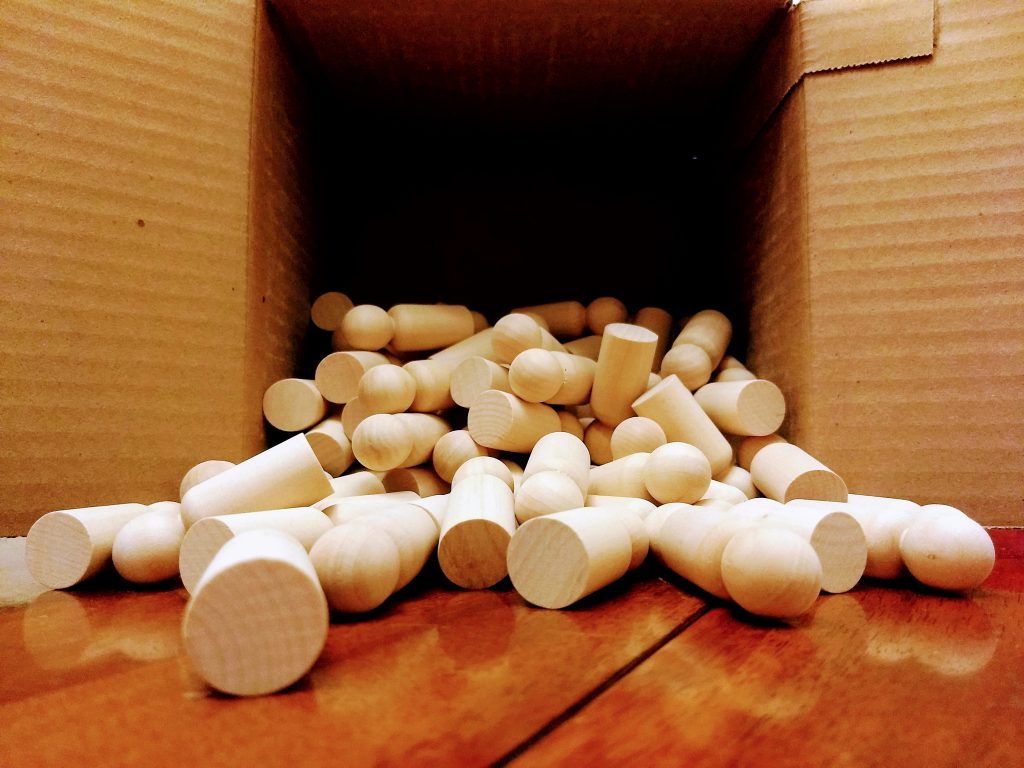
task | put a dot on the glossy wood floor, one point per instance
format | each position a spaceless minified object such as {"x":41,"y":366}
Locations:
{"x":646,"y":672}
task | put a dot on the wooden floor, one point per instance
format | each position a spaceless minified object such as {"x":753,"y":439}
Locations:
{"x":646,"y":672}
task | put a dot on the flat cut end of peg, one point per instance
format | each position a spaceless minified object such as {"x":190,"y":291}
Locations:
{"x":472,"y":554}
{"x":548,"y":563}
{"x":58,"y":550}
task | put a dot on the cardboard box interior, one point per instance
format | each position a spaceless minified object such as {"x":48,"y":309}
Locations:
{"x":181,"y":181}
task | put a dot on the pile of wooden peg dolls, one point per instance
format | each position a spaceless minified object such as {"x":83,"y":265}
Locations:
{"x":558,"y":448}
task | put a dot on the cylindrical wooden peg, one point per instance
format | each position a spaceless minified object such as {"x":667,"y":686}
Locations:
{"x":258,"y":619}
{"x":586,"y":346}
{"x":729,"y":495}
{"x":332,"y":447}
{"x":676,"y":472}
{"x":419,"y":327}
{"x":145,"y":550}
{"x":710,"y":330}
{"x":637,"y":434}
{"x":358,"y":566}
{"x":343,"y":509}
{"x":367,"y":327}
{"x":386,"y":441}
{"x":754,"y":407}
{"x":293,"y":405}
{"x":329,"y":310}
{"x":387,"y":389}
{"x":545,"y":492}
{"x":433,"y":385}
{"x":564,"y":318}
{"x":604,"y":311}
{"x":423,"y":481}
{"x":658,"y":321}
{"x":535,"y":375}
{"x":502,"y":421}
{"x":454,"y":449}
{"x":621,"y":477}
{"x":945,"y":549}
{"x":627,"y":352}
{"x":642,"y":508}
{"x":674,"y":408}
{"x":597,"y":436}
{"x":338,"y":374}
{"x":747,"y":448}
{"x":286,"y":475}
{"x":478,"y":525}
{"x":571,"y":424}
{"x":690,"y":540}
{"x":782,"y":471}
{"x":690,"y":363}
{"x":771,"y":571}
{"x":517,"y":332}
{"x":563,"y":452}
{"x":357,"y":484}
{"x":474,"y":376}
{"x":353,"y":413}
{"x":739,"y":479}
{"x":477,"y":345}
{"x":204,"y":470}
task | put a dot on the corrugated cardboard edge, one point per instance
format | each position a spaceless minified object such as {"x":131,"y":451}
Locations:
{"x":820,"y":35}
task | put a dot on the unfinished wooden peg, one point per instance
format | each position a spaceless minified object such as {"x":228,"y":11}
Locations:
{"x":474,"y":376}
{"x":637,"y":434}
{"x":286,"y":475}
{"x":570,"y":424}
{"x":517,"y":332}
{"x":710,"y":330}
{"x":485,"y":465}
{"x":293,"y":405}
{"x":342,"y":509}
{"x":690,"y":363}
{"x":502,"y":421}
{"x":145,"y":550}
{"x":653,"y":380}
{"x":434,"y":506}
{"x":204,"y":539}
{"x":433,"y":385}
{"x":423,"y":481}
{"x":945,"y":549}
{"x":258,"y":619}
{"x":357,"y":484}
{"x":604,"y":311}
{"x":684,"y":421}
{"x":642,"y":508}
{"x":454,"y":449}
{"x":367,"y":327}
{"x":419,"y":327}
{"x":516,"y":471}
{"x":731,"y":369}
{"x":68,"y":546}
{"x":597,"y":436}
{"x":414,"y":532}
{"x":782,"y":471}
{"x":659,"y":322}
{"x":386,"y":441}
{"x":627,"y":352}
{"x":739,"y":479}
{"x":718,"y":491}
{"x":387,"y":389}
{"x":755,"y":407}
{"x":563,"y":452}
{"x":204,"y":470}
{"x":329,"y":310}
{"x":676,"y":472}
{"x":337,"y":376}
{"x":540,"y":375}
{"x":478,"y":525}
{"x":621,"y":477}
{"x":358,"y":566}
{"x":480,"y":322}
{"x":585,"y":346}
{"x":770,"y":571}
{"x":577,"y":379}
{"x":556,"y":560}
{"x":563,"y":318}
{"x":545,"y":492}
{"x":748,"y":447}
{"x":353,"y":413}
{"x":332,"y":447}
{"x":477,"y":345}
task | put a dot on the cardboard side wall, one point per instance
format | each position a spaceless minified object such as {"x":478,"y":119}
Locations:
{"x":124,"y":167}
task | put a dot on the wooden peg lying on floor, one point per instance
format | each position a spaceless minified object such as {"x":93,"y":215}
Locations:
{"x":478,"y":525}
{"x":145,"y":550}
{"x":783,"y":471}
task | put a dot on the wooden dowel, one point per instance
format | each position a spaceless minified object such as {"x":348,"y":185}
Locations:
{"x":337,"y":376}
{"x":356,"y":484}
{"x":621,"y":477}
{"x":145,"y":550}
{"x":676,"y":472}
{"x":747,"y":448}
{"x":485,"y":465}
{"x":367,"y":327}
{"x":719,"y":491}
{"x":433,"y":385}
{"x":419,"y":327}
{"x":945,"y":549}
{"x":585,"y":346}
{"x":642,"y":508}
{"x":474,"y":376}
{"x":329,"y":310}
{"x":478,"y":525}
{"x":623,"y":366}
{"x":343,"y":509}
{"x":515,"y":333}
{"x":782,"y":471}
{"x":386,"y":441}
{"x":563,"y":452}
{"x":739,"y":479}
{"x":332,"y":447}
{"x":423,"y":481}
{"x":659,"y":322}
{"x":477,"y":345}
{"x":545,"y":492}
{"x":637,"y":434}
{"x":454,"y":449}
{"x":597,"y":436}
{"x":605,"y":311}
{"x":564,"y":318}
{"x":293,"y":405}
{"x":204,"y":470}
{"x":352,"y":415}
{"x":710,"y":330}
{"x":502,"y":421}
{"x":754,"y":408}
{"x":690,"y":363}
{"x":387,"y":389}
{"x":570,"y":424}
{"x":771,"y":571}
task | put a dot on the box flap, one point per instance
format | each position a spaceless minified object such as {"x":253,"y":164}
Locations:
{"x":819,"y":35}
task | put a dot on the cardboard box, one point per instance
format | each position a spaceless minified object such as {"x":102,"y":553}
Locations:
{"x":844,"y":177}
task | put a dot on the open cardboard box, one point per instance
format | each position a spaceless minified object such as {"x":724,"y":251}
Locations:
{"x":843,"y":177}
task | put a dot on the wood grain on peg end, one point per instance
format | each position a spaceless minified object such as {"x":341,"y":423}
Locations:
{"x":770,"y":571}
{"x":329,"y":310}
{"x":338,"y":374}
{"x":367,"y":327}
{"x":387,"y":389}
{"x":637,"y":434}
{"x":478,"y":525}
{"x":783,"y":471}
{"x":756,"y":407}
{"x":258,"y":619}
{"x":293,"y":405}
{"x":474,"y":376}
{"x":677,"y":472}
{"x":204,"y":470}
{"x":502,"y":421}
{"x":331,"y":445}
{"x":603,"y":311}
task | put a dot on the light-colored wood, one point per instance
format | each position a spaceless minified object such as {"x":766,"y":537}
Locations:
{"x":414,"y":532}
{"x":545,"y":492}
{"x":684,"y":421}
{"x":558,"y":559}
{"x":517,"y":332}
{"x":637,"y":434}
{"x":293,"y":405}
{"x":423,"y":481}
{"x":204,"y":470}
{"x":676,"y":472}
{"x":367,"y":327}
{"x":747,"y":448}
{"x":286,"y":475}
{"x":329,"y":310}
{"x":474,"y":376}
{"x":502,"y":421}
{"x":640,"y":542}
{"x":454,"y":449}
{"x":433,"y":385}
{"x":145,"y":550}
{"x":478,"y":526}
{"x":477,"y":345}
{"x":332,"y":447}
{"x":710,"y":330}
{"x":597,"y":436}
{"x":754,"y":408}
{"x":570,"y":424}
{"x":352,"y":415}
{"x":343,"y":509}
{"x":690,"y":363}
{"x":258,"y":619}
{"x":338,"y":341}
{"x":358,"y":566}
{"x":480,"y":322}
{"x":337,"y":376}
{"x":739,"y":478}
{"x":659,"y":322}
{"x":731,"y":369}
{"x":621,"y":477}
{"x":563,"y":318}
{"x":783,"y":471}
{"x":720,"y":491}
{"x":577,"y":379}
{"x":563,"y":452}
{"x":883,"y":521}
{"x":485,"y":465}
{"x":535,"y":375}
{"x":387,"y":389}
{"x":585,"y":346}
{"x":360,"y":483}
{"x":386,"y":441}
{"x":653,"y":380}
{"x":604,"y":311}
{"x":516,"y":471}
{"x":642,"y":508}
{"x":419,"y":327}
{"x":434,"y":506}
{"x":690,"y":540}
{"x":945,"y":549}
{"x":771,"y":571}
{"x":203,"y":540}
{"x":622,"y":369}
